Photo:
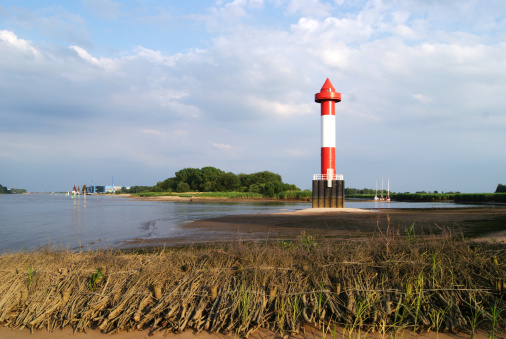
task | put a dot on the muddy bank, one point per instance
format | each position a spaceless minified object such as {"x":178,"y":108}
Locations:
{"x":347,"y":223}
{"x":207,"y":199}
{"x":240,"y":288}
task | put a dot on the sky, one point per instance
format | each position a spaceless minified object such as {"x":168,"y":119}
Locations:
{"x":136,"y":90}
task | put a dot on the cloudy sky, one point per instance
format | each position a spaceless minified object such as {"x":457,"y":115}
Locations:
{"x":136,"y":90}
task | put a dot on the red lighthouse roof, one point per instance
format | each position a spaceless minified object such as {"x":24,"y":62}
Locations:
{"x":327,"y":85}
{"x":328,"y":92}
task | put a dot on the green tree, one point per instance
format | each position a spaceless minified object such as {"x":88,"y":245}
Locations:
{"x":208,"y":178}
{"x":290,"y":187}
{"x":4,"y":190}
{"x":168,"y":184}
{"x":259,"y":178}
{"x":189,"y":176}
{"x":500,"y":188}
{"x":228,"y":182}
{"x":211,"y":179}
{"x":183,"y":187}
{"x":209,"y":186}
{"x":272,"y":188}
{"x":138,"y":189}
{"x":255,"y":188}
{"x":156,"y":189}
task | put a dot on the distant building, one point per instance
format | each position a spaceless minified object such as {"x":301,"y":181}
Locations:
{"x":97,"y":189}
{"x":113,"y":189}
{"x":104,"y":189}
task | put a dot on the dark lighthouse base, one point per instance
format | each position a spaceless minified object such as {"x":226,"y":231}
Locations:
{"x":328,"y":197}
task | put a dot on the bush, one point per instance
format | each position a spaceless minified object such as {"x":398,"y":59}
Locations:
{"x":296,"y":195}
{"x":182,"y":187}
{"x":500,"y":189}
{"x":480,"y":197}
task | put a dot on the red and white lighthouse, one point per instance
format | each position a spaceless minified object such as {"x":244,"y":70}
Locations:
{"x":328,"y":186}
{"x":328,"y":98}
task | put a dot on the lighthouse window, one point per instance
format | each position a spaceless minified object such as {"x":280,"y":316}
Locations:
{"x":328,"y":89}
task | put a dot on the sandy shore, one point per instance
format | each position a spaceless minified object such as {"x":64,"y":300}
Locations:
{"x":195,"y":198}
{"x":6,"y":333}
{"x":487,"y":224}
{"x":310,"y":333}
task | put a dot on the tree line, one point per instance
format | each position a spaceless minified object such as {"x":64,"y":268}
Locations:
{"x":356,"y":191}
{"x":5,"y":190}
{"x":211,"y":179}
{"x":500,"y":188}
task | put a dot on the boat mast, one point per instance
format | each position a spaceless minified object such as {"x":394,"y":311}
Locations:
{"x":376,"y":196}
{"x":381,"y":188}
{"x":388,"y":192}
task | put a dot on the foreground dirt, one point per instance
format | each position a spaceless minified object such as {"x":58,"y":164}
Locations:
{"x":310,"y":333}
{"x":482,"y":223}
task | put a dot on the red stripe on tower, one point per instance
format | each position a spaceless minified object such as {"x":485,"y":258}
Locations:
{"x":328,"y":98}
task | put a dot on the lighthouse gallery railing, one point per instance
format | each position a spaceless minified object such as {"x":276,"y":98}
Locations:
{"x":328,"y":177}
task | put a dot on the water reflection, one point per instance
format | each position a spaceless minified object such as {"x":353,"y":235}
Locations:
{"x":29,"y":221}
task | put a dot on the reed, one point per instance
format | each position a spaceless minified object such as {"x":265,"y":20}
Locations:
{"x":495,"y":316}
{"x":475,"y":316}
{"x":386,"y":283}
{"x":295,"y":195}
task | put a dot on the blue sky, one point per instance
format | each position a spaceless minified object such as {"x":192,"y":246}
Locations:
{"x":136,"y":90}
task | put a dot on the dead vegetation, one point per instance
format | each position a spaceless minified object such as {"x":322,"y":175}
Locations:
{"x":384,"y":284}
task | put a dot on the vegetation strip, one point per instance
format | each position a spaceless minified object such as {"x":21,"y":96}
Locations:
{"x":383,"y":284}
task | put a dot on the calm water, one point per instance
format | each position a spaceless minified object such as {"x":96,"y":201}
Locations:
{"x":31,"y":220}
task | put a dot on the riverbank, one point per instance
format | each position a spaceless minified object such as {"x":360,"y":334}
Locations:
{"x":299,"y":274}
{"x":375,"y":285}
{"x":309,"y":333}
{"x":196,"y":198}
{"x":348,"y":223}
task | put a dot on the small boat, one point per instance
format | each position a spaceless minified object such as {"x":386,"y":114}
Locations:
{"x":376,"y":196}
{"x":382,"y":190}
{"x":388,"y":192}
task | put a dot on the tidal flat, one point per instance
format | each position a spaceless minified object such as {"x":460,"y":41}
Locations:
{"x":383,"y":278}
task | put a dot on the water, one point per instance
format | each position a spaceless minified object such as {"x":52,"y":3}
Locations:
{"x":31,"y":220}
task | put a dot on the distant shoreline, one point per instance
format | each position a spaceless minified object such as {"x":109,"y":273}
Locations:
{"x":206,"y":199}
{"x":347,"y":223}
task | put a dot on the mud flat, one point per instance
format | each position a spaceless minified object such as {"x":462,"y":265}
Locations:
{"x":347,"y":223}
{"x":387,"y":283}
{"x":409,"y":272}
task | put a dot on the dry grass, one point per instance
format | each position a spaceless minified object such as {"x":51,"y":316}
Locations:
{"x":382,"y":284}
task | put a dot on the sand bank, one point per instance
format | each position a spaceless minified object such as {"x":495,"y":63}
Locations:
{"x":196,"y":198}
{"x":344,"y":223}
{"x":310,"y":333}
{"x":347,"y":223}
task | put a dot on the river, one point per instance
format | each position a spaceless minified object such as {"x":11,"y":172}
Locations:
{"x":28,"y":221}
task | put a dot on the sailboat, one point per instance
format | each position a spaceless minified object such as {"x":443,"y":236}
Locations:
{"x":382,"y":190}
{"x":376,"y":196}
{"x":388,"y":192}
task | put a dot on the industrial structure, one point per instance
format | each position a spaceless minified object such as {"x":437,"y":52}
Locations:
{"x":328,"y":186}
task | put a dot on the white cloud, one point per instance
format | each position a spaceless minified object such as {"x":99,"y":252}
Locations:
{"x":252,"y":89}
{"x":8,"y":37}
{"x":151,"y":131}
{"x":224,"y":147}
{"x":423,"y":98}
{"x":85,"y":55}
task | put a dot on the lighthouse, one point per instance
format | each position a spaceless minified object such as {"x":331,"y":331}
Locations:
{"x":328,"y":186}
